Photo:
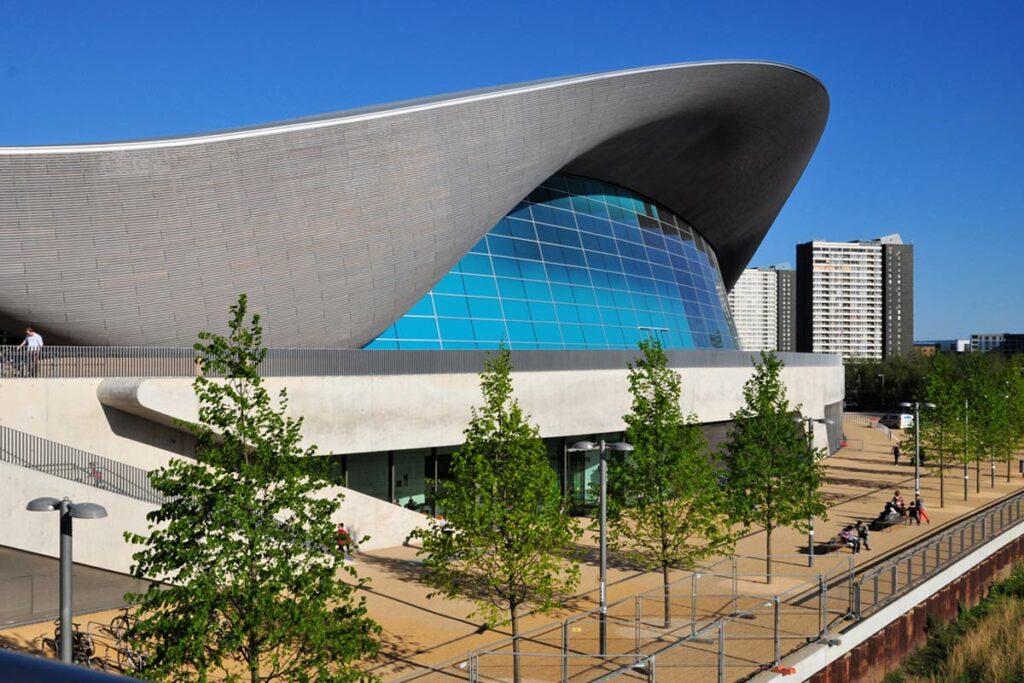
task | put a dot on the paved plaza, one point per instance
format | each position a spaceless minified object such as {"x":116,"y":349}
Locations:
{"x":422,"y":632}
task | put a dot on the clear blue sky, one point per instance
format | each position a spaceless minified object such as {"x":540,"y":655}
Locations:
{"x":924,"y":136}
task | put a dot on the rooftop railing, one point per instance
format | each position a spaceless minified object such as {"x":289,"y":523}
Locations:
{"x":151,"y":361}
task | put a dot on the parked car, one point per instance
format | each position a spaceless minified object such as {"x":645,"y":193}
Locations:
{"x":897,"y":420}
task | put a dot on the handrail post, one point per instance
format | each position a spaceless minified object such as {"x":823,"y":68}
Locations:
{"x":822,"y":605}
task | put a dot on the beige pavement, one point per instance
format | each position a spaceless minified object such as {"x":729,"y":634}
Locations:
{"x":420,"y":631}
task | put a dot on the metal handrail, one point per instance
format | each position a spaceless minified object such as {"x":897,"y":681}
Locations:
{"x":934,"y":554}
{"x":151,"y":361}
{"x":60,"y":460}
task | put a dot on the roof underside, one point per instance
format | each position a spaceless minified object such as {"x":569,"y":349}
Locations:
{"x":336,"y":225}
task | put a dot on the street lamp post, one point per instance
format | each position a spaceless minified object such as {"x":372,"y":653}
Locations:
{"x":885,"y":403}
{"x":967,"y":420}
{"x":68,"y":511}
{"x":602,"y":447}
{"x":916,"y":405}
{"x":808,"y":424}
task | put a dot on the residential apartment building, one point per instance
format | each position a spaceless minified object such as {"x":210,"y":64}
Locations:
{"x":763,"y":304}
{"x":856,"y":298}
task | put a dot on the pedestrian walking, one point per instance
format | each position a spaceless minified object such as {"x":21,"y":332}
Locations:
{"x":344,"y":539}
{"x":896,"y":454}
{"x":920,"y":510}
{"x":862,"y":534}
{"x":34,"y":342}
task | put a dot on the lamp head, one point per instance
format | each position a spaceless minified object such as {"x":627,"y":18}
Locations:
{"x":45,"y":504}
{"x":583,"y":446}
{"x":929,"y":405}
{"x":905,"y":404}
{"x":825,"y":421}
{"x":88,"y":511}
{"x":620,"y":446}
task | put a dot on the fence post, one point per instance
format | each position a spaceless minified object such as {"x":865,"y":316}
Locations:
{"x":875,"y":601}
{"x":735,"y":585}
{"x":777,"y":628}
{"x":565,"y":651}
{"x":893,"y":581}
{"x":721,"y":652}
{"x":472,"y":667}
{"x":652,"y":670}
{"x":856,"y":600}
{"x":693,"y":604}
{"x":638,"y":612}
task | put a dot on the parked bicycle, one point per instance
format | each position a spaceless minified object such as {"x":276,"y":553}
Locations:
{"x":83,"y":649}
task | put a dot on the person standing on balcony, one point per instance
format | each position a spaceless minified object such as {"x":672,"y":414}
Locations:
{"x":34,"y":342}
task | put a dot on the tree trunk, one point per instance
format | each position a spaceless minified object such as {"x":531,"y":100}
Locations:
{"x":768,"y":554}
{"x":667,"y":597}
{"x":517,"y":674}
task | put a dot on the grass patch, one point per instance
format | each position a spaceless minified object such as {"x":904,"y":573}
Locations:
{"x":982,"y":645}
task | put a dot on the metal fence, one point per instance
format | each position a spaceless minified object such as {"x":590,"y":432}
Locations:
{"x":884,"y":582}
{"x":713,"y":626}
{"x":648,"y":632}
{"x":59,"y":460}
{"x":138,"y":361}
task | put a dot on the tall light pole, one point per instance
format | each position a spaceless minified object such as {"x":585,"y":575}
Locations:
{"x":885,"y":403}
{"x":967,"y":419}
{"x":68,"y":511}
{"x":916,"y":405}
{"x":602,"y":447}
{"x":807,"y":423}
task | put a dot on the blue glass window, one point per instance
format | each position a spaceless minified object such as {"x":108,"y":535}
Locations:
{"x":579,"y":264}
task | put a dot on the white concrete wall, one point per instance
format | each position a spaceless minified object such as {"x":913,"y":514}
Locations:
{"x":100,"y":542}
{"x":132,"y":420}
{"x":97,"y":542}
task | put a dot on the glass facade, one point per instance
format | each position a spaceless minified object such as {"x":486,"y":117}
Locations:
{"x":580,"y":264}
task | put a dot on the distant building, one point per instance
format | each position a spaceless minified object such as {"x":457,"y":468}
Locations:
{"x":856,"y":298}
{"x":1008,"y":343}
{"x":763,"y":303}
{"x":932,"y":346}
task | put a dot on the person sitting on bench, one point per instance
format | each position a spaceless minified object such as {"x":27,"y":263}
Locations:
{"x":897,"y":502}
{"x":848,"y":539}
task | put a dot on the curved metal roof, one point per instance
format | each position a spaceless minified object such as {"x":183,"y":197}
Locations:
{"x":336,"y":224}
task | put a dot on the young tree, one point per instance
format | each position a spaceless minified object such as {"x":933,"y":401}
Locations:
{"x":507,"y":538}
{"x":939,"y":432}
{"x":773,"y":474}
{"x":245,"y":541}
{"x":665,"y":507}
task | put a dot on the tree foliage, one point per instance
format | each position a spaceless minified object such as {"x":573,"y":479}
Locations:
{"x":246,"y":542}
{"x":665,"y":507}
{"x":774,"y":475}
{"x":507,"y":538}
